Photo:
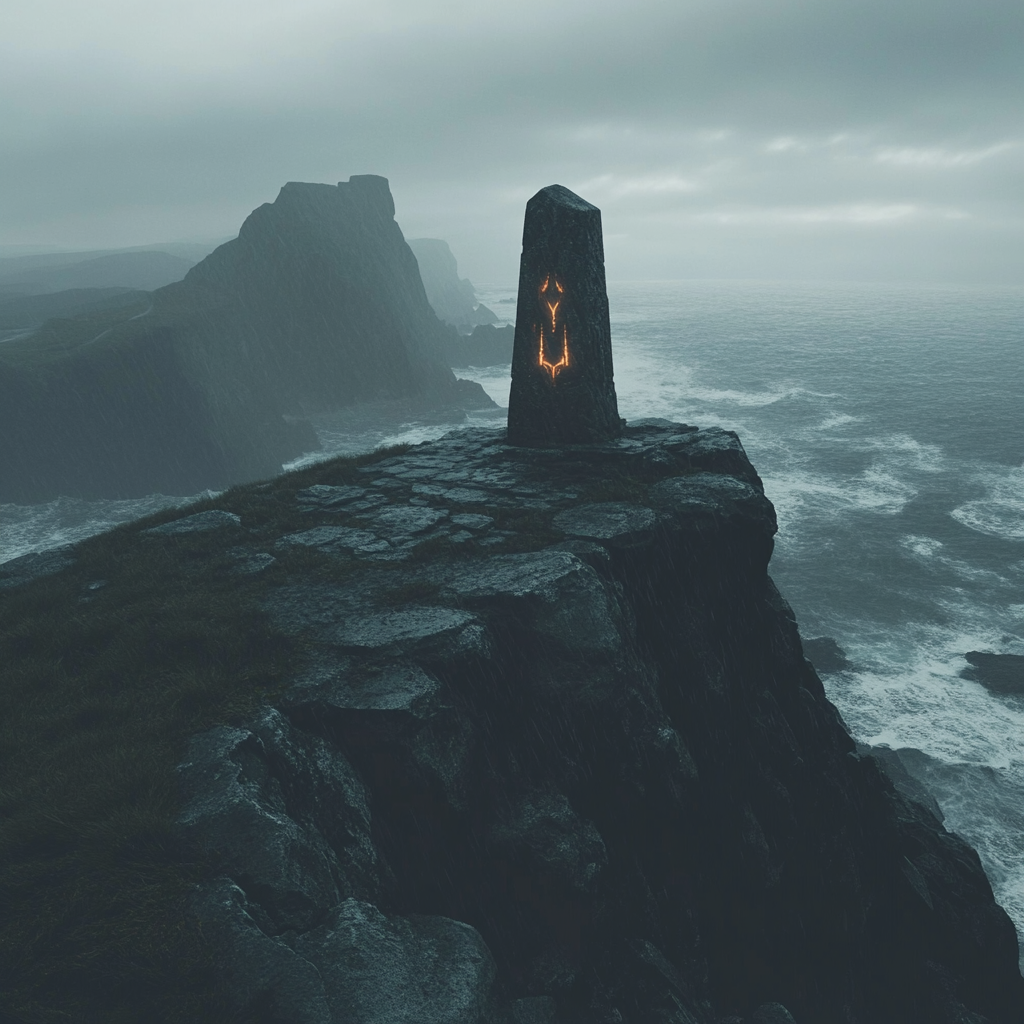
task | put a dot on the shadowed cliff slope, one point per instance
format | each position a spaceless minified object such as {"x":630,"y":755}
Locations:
{"x":452,"y":298}
{"x":317,"y":305}
{"x":471,"y":734}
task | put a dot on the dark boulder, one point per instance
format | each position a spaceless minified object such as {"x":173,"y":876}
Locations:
{"x":1000,"y":673}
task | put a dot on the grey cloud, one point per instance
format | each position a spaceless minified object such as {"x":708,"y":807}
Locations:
{"x":770,"y":130}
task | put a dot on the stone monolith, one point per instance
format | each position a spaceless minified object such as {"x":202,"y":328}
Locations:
{"x":563,"y":391}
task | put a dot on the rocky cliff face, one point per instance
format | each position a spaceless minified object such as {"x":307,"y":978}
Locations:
{"x":317,"y":305}
{"x":452,"y":298}
{"x":553,"y":754}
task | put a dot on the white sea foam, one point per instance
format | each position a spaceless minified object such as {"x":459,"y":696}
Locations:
{"x":29,"y":528}
{"x":928,"y":707}
{"x":755,"y":399}
{"x":1001,"y":512}
{"x":905,"y":452}
{"x":923,"y":547}
{"x":838,"y":419}
{"x":800,"y":493}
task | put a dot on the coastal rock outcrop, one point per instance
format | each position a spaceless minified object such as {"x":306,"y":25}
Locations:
{"x":552,"y":753}
{"x":317,"y":305}
{"x":452,"y":298}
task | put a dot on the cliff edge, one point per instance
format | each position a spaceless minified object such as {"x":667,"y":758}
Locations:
{"x":542,"y":746}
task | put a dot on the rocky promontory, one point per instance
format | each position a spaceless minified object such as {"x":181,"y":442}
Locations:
{"x":316,"y":306}
{"x":474,"y":734}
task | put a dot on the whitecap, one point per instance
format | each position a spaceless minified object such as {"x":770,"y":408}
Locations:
{"x":800,"y":492}
{"x":838,"y":419}
{"x":1001,"y":512}
{"x":906,"y":452}
{"x":923,"y":547}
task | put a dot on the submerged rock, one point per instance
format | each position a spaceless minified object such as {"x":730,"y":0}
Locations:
{"x":1001,"y":673}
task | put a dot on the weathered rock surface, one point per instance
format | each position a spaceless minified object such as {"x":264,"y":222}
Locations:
{"x":1001,"y":673}
{"x":316,"y":306}
{"x":570,"y":768}
{"x":415,"y":970}
{"x":825,"y":654}
{"x":563,"y":391}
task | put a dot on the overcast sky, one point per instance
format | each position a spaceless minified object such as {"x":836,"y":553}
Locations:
{"x":842,"y":139}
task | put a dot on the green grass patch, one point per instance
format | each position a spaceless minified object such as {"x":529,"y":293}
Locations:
{"x":100,"y":690}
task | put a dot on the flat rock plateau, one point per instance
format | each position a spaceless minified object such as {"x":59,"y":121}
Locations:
{"x":472,"y":734}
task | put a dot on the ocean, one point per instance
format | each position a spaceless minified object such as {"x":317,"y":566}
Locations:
{"x":887,"y":424}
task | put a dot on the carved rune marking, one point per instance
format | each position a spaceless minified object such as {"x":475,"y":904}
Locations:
{"x":551,"y":292}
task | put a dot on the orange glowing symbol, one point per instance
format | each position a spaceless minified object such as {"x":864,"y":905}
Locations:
{"x":550,"y":293}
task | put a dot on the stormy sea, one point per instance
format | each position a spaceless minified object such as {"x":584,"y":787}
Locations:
{"x":888,"y":425}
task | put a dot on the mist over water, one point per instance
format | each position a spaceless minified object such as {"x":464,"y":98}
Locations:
{"x":888,"y":426}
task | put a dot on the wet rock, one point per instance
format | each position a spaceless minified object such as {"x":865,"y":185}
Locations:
{"x":326,"y":497}
{"x":238,"y":813}
{"x":248,"y":562}
{"x":394,"y":686}
{"x":330,"y":538}
{"x":466,"y":496}
{"x":415,"y":970}
{"x":544,"y":831}
{"x":711,"y":449}
{"x":264,"y":801}
{"x":1000,"y":673}
{"x":825,"y":654}
{"x":609,"y":755}
{"x":772,"y":1013}
{"x":895,"y":768}
{"x":553,"y":593}
{"x":402,"y":630}
{"x":409,"y":519}
{"x":212,"y":520}
{"x":472,"y":520}
{"x":258,"y":972}
{"x":614,"y":522}
{"x":711,"y":494}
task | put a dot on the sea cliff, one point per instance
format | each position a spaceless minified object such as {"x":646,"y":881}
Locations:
{"x":316,"y":306}
{"x":508,"y":735}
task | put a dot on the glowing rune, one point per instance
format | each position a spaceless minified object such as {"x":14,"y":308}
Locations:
{"x":563,"y":387}
{"x":550,"y":292}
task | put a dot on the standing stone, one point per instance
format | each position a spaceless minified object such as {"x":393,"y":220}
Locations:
{"x":563,"y":391}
